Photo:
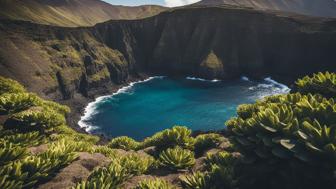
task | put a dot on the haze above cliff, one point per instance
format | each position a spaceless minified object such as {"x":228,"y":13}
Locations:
{"x":71,"y":13}
{"x":325,"y":8}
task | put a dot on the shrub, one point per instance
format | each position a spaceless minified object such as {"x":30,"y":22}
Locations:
{"x":110,"y":177}
{"x":289,"y":131}
{"x":321,"y":83}
{"x":222,"y":177}
{"x":154,"y":184}
{"x":10,"y":152}
{"x":197,"y":180}
{"x":221,"y":158}
{"x":125,"y":143}
{"x":15,"y":102}
{"x":291,"y":126}
{"x":136,"y":164}
{"x":106,"y":151}
{"x":34,"y":169}
{"x":207,"y":141}
{"x":10,"y":86}
{"x":68,"y":146}
{"x":177,"y":158}
{"x":35,"y":119}
{"x":25,"y":139}
{"x":169,"y":138}
{"x":65,"y":132}
{"x":7,"y":183}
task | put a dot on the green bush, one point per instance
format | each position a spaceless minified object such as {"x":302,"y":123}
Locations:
{"x":136,"y":164}
{"x":169,"y":138}
{"x":197,"y":180}
{"x":10,"y":152}
{"x":24,"y":139}
{"x":222,"y":177}
{"x":68,"y":146}
{"x":321,"y":83}
{"x":110,"y":177}
{"x":288,"y":131}
{"x":177,"y":158}
{"x":10,"y":86}
{"x":125,"y":143}
{"x":15,"y":102}
{"x":67,"y":133}
{"x":36,"y":119}
{"x":205,"y":142}
{"x":288,"y":126}
{"x":34,"y":169}
{"x":154,"y":184}
{"x":221,"y":158}
{"x":106,"y":151}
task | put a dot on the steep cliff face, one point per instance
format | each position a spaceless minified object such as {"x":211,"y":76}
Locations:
{"x":326,"y":8}
{"x":63,"y":63}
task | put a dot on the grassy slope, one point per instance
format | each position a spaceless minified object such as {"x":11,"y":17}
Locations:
{"x":309,"y":7}
{"x":71,"y":12}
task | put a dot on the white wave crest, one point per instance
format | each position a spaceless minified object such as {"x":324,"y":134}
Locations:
{"x":283,"y":88}
{"x":244,"y":78}
{"x":91,"y":109}
{"x":201,"y":79}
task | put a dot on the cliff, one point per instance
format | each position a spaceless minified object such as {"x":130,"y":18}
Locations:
{"x":69,"y":63}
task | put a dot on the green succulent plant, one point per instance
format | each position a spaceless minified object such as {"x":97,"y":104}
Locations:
{"x":24,"y":139}
{"x":154,"y":184}
{"x":125,"y":143}
{"x":106,"y":151}
{"x":221,"y":158}
{"x":31,"y":170}
{"x":68,"y":146}
{"x":320,"y":83}
{"x":10,"y":86}
{"x":36,"y":119}
{"x":136,"y":164}
{"x":222,"y":177}
{"x":196,"y":180}
{"x":110,"y":177}
{"x":15,"y":102}
{"x":169,"y":138}
{"x":9,"y":152}
{"x":288,"y":126}
{"x":205,"y":142}
{"x":177,"y":158}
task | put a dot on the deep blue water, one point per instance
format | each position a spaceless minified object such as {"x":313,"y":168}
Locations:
{"x":145,"y":108}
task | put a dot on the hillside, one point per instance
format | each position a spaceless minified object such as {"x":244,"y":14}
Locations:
{"x":325,"y":8}
{"x":71,"y":12}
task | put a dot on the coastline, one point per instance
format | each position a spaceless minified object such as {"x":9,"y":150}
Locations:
{"x":83,"y":107}
{"x":90,"y":108}
{"x":79,"y":103}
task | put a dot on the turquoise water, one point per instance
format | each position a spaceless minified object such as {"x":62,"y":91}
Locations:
{"x":145,"y":108}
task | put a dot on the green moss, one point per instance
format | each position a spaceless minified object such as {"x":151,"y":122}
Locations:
{"x":212,"y":62}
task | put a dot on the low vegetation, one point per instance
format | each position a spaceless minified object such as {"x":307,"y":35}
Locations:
{"x":282,"y":141}
{"x":154,"y":184}
{"x":177,"y":158}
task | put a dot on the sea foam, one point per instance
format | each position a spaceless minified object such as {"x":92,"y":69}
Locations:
{"x":91,"y":109}
{"x":201,"y":79}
